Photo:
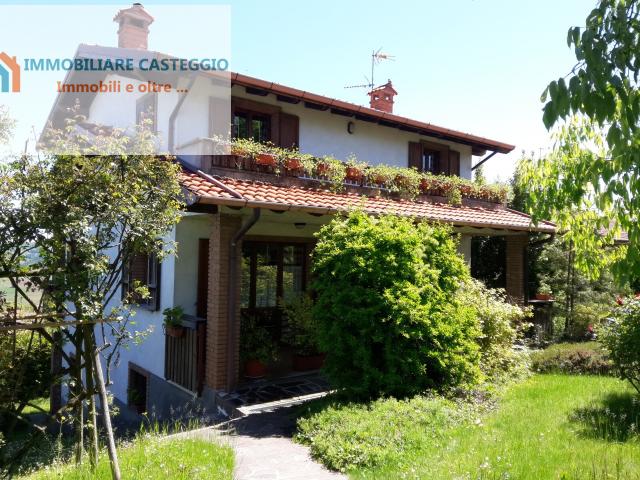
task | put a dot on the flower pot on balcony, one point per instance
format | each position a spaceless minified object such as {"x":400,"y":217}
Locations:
{"x":322,"y":169}
{"x":174,"y":331}
{"x":255,"y":369}
{"x":293,"y":165}
{"x":353,"y":174}
{"x":266,"y":160}
{"x":303,"y":363}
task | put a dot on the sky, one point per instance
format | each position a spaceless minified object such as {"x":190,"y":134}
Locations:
{"x":478,"y":66}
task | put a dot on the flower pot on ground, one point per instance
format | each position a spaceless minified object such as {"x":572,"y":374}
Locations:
{"x":255,"y":369}
{"x":544,"y":292}
{"x":301,"y":333}
{"x":173,"y":321}
{"x":257,"y":348}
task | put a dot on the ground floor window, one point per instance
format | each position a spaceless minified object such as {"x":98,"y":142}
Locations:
{"x":272,"y":272}
{"x":489,"y":261}
{"x":137,"y":388}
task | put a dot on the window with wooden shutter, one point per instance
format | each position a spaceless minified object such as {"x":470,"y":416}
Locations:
{"x":429,"y":157}
{"x":289,"y":131}
{"x":143,"y":270}
{"x":454,"y":162}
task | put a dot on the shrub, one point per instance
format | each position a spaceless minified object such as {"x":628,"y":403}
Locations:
{"x":622,"y":340}
{"x":386,"y":308}
{"x":25,"y":372}
{"x":573,"y":358}
{"x":351,"y":436}
{"x":501,"y":325}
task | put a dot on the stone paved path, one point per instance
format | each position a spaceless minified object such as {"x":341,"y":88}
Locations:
{"x":264,"y":449}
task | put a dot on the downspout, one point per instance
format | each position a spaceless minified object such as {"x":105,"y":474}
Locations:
{"x":174,"y":114}
{"x":232,"y":293}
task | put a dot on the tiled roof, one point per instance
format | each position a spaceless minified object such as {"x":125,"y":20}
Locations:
{"x":250,"y":193}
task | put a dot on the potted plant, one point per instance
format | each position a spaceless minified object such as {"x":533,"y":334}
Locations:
{"x":380,"y":175}
{"x":301,"y":333}
{"x":544,"y":292}
{"x":173,"y":321}
{"x":257,"y":348}
{"x":266,"y":159}
{"x":354,"y":170}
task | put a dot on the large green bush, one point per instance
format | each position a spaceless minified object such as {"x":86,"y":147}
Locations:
{"x":622,"y":340}
{"x":386,"y":307}
{"x":501,"y":324}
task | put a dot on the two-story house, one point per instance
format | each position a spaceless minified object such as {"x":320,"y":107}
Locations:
{"x":245,"y":238}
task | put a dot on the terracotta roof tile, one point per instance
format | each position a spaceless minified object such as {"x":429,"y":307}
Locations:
{"x":279,"y":197}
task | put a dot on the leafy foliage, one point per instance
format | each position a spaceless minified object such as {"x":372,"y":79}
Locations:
{"x":405,"y":181}
{"x":622,"y":340}
{"x":24,"y":368}
{"x":501,"y":325}
{"x":580,"y":301}
{"x":6,"y":125}
{"x":586,"y":358}
{"x":591,"y":181}
{"x":301,"y":331}
{"x":387,"y":313}
{"x":255,"y":342}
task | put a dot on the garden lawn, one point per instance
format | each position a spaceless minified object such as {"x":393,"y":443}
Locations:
{"x":151,"y":457}
{"x":548,"y":427}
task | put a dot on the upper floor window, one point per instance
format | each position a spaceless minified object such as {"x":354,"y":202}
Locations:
{"x":253,"y":125}
{"x":143,"y":270}
{"x":434,"y":157}
{"x":263,"y":122}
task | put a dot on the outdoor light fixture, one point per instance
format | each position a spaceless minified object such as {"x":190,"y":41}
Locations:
{"x":299,"y":225}
{"x":351,"y":127}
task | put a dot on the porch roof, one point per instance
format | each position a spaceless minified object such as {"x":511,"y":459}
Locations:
{"x":255,"y":194}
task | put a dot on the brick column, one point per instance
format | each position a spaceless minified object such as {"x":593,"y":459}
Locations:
{"x":515,"y":268}
{"x":223,"y":228}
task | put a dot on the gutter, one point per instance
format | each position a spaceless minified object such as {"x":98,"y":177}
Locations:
{"x":232,"y":295}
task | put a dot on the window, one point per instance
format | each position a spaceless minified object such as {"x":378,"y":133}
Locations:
{"x":262,"y":122}
{"x":146,"y":108}
{"x":256,"y":126}
{"x":271,"y":271}
{"x":434,"y":158}
{"x":137,"y":388}
{"x":143,"y":270}
{"x":430,"y":161}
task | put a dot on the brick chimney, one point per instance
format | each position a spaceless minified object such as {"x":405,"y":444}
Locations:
{"x":381,"y":98}
{"x":134,"y":27}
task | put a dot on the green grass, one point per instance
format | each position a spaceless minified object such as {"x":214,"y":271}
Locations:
{"x":548,"y":427}
{"x":151,"y":457}
{"x":8,"y":292}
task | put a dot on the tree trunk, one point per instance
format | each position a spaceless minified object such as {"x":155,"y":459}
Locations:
{"x":104,"y":404}
{"x":89,"y":349}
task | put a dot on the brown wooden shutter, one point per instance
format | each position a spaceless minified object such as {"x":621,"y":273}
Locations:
{"x":144,"y":269}
{"x":454,"y":163}
{"x":289,"y":130}
{"x":415,"y":155}
{"x":203,"y":277}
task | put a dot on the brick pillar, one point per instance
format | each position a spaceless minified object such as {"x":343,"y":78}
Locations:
{"x":515,"y":256}
{"x":223,"y":228}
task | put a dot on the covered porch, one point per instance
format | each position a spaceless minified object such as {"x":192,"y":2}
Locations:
{"x":253,"y":242}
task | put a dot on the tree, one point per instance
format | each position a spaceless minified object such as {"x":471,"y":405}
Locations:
{"x":6,"y":125}
{"x":590,"y":184}
{"x":386,"y":308}
{"x":87,"y":215}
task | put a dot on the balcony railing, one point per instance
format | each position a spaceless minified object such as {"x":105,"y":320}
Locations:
{"x":185,"y":355}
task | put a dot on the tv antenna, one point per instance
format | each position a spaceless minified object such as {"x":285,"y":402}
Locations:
{"x":376,"y":57}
